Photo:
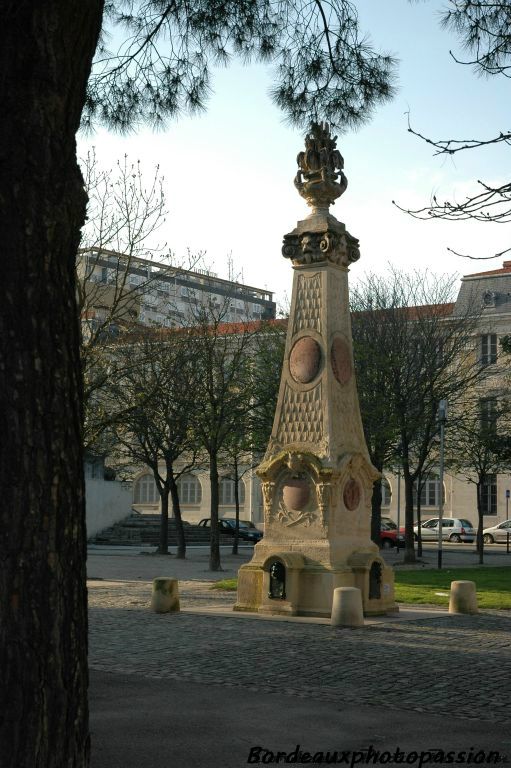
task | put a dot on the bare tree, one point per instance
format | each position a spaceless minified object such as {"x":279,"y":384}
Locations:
{"x":479,"y":448}
{"x":247,"y":443}
{"x":155,"y":398}
{"x":224,"y":364}
{"x":116,"y":271}
{"x":376,"y":311}
{"x":428,"y":357}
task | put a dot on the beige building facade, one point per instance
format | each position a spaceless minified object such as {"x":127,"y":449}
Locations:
{"x":195,"y":496}
{"x":489,"y":293}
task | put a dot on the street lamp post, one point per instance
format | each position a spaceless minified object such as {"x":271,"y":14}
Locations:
{"x":442,"y":417}
{"x":507,"y":518}
{"x":399,"y":505}
{"x":399,"y":454}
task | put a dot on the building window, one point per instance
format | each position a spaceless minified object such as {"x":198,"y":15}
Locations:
{"x":227,"y":492}
{"x":189,"y":488}
{"x":386,"y":493}
{"x":488,"y":414}
{"x":430,"y":492}
{"x":146,"y":491}
{"x":488,"y":348}
{"x":489,"y":495}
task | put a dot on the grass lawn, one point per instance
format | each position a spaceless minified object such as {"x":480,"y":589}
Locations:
{"x":493,"y":586}
{"x":431,"y":587}
{"x":227,"y":585}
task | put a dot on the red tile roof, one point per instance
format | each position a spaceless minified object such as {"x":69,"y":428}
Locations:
{"x":411,"y":313}
{"x":504,"y":270}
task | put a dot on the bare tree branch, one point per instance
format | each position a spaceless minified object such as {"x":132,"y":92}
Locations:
{"x":484,"y":29}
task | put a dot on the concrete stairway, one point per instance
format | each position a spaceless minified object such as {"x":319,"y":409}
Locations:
{"x":144,"y":530}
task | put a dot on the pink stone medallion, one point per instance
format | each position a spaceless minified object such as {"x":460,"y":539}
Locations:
{"x":305,"y":360}
{"x":296,"y":493}
{"x":341,"y":360}
{"x":351,"y":495}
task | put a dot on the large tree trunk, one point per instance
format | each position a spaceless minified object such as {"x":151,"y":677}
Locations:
{"x":214,"y":553}
{"x":163,"y":546}
{"x":45,"y":55}
{"x":419,"y":534}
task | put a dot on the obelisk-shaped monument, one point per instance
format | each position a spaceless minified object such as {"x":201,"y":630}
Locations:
{"x":316,"y":476}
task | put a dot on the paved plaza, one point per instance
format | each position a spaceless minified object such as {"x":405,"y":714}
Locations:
{"x":426,"y":678}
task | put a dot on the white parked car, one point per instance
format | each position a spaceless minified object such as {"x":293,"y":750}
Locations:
{"x":453,"y":529}
{"x":497,"y":532}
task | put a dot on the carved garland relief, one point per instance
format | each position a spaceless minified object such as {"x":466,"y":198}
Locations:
{"x":295,"y":503}
{"x":325,"y":494}
{"x":268,"y":489}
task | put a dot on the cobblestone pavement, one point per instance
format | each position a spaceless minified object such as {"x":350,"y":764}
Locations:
{"x":445,"y":665}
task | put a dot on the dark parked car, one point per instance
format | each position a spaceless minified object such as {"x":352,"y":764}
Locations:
{"x":227,"y":525}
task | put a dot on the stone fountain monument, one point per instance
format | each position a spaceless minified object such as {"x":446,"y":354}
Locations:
{"x":316,"y":475}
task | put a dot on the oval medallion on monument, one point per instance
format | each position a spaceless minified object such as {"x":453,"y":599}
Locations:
{"x":351,"y":495}
{"x":304,"y":360}
{"x":296,"y":493}
{"x":341,"y":360}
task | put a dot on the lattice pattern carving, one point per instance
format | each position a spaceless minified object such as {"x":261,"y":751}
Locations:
{"x":301,"y":418}
{"x":308,"y":304}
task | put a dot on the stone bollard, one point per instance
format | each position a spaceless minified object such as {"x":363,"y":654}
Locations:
{"x":463,"y":597}
{"x":165,"y":597}
{"x":347,"y":608}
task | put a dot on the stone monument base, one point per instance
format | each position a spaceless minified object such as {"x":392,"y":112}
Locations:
{"x":309,"y":585}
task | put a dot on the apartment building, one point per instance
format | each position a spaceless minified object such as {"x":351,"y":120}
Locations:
{"x":157,"y":294}
{"x":116,"y":290}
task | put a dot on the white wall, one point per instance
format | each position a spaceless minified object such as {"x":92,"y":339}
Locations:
{"x":460,"y":500}
{"x":107,"y":502}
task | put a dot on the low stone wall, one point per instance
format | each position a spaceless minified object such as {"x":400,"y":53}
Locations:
{"x":107,"y":502}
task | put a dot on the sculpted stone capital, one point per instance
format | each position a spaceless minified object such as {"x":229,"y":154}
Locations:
{"x":306,"y":248}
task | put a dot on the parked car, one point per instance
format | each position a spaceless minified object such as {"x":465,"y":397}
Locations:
{"x":498,"y":532}
{"x":227,"y":525}
{"x":389,"y":535}
{"x":453,"y":529}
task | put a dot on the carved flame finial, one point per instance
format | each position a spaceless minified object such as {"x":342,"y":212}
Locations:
{"x":320,"y":178}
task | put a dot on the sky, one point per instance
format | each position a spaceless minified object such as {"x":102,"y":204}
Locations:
{"x":228,"y":173}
